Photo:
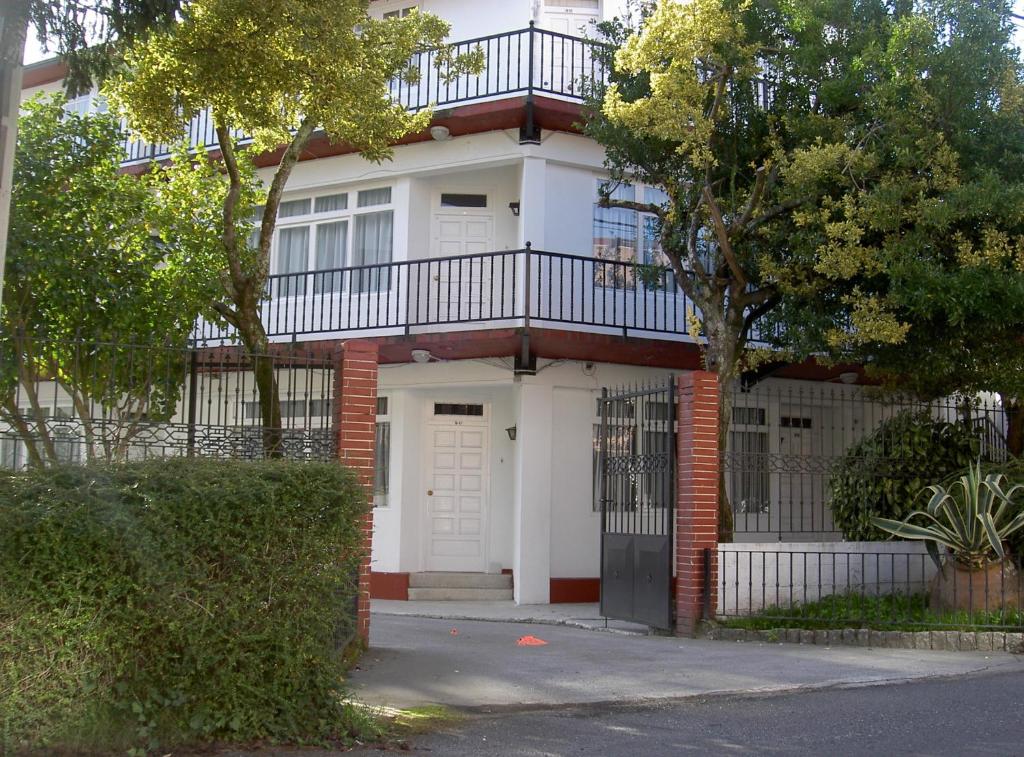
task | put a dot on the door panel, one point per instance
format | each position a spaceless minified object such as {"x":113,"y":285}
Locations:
{"x":457,"y":499}
{"x":464,"y":284}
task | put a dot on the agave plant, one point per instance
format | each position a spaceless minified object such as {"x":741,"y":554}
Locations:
{"x":972,"y":518}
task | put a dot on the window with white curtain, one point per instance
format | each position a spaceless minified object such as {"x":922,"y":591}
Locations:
{"x":318,"y":236}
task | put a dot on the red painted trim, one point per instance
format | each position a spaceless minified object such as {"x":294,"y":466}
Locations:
{"x":553,"y":344}
{"x":477,"y":118}
{"x":574,"y":590}
{"x":389,"y":585}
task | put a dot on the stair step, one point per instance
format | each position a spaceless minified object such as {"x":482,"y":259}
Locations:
{"x":460,"y":581}
{"x":464,"y":595}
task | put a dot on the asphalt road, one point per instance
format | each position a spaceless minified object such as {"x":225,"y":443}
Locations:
{"x":976,"y":715}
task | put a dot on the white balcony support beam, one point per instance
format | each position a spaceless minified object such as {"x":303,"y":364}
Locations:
{"x":531,"y":556}
{"x":533,"y":202}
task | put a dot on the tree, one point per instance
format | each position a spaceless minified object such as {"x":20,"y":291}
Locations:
{"x":777,"y":130}
{"x":935,"y":237}
{"x":107,"y":276}
{"x":278,"y":70}
{"x":87,"y":33}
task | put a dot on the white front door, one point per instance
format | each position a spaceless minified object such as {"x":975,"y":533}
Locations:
{"x":801,"y":493}
{"x":463,"y":286}
{"x":456,"y":496}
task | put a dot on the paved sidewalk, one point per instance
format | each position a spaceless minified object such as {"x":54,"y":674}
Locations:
{"x":415,"y":661}
{"x":584,"y":615}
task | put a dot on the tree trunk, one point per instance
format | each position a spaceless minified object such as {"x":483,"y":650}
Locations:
{"x":254,"y":337}
{"x":1015,"y":426}
{"x":721,"y":357}
{"x":13,"y":31}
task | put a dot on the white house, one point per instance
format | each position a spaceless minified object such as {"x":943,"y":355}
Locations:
{"x":503,"y":299}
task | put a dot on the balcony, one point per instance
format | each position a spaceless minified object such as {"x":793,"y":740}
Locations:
{"x":518,"y":63}
{"x":512,"y":288}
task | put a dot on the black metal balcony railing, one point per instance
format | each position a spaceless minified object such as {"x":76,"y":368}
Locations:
{"x":508,"y":288}
{"x":524,"y":61}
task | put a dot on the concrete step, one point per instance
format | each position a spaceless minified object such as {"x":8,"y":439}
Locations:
{"x":462,"y":595}
{"x":460,"y":581}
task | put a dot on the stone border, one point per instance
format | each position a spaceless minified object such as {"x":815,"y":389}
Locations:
{"x":948,"y":641}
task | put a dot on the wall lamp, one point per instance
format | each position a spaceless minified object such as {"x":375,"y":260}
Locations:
{"x":511,"y":431}
{"x":514,"y":207}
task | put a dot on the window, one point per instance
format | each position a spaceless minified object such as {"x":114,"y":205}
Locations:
{"x":451,"y":200}
{"x":382,"y":454}
{"x":326,"y":236}
{"x":749,"y":482}
{"x":451,"y":408}
{"x":11,"y":453}
{"x":623,"y":235}
{"x":300,"y":409}
{"x":400,"y":12}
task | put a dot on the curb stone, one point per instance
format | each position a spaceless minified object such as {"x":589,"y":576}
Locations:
{"x":948,"y":641}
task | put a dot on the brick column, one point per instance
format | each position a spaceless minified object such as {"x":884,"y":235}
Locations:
{"x":355,"y":417}
{"x":697,"y":497}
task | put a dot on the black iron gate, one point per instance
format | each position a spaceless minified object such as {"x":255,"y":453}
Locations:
{"x":637,"y":493}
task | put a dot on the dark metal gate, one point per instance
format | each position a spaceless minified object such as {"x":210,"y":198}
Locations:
{"x":637,"y":493}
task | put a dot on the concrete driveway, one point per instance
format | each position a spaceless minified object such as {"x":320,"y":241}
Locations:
{"x":415,"y":661}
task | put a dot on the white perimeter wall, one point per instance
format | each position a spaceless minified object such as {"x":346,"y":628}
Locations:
{"x":784,"y":574}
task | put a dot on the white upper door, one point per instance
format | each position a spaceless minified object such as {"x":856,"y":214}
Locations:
{"x":568,"y":62}
{"x":462,"y":287}
{"x":456,"y":497}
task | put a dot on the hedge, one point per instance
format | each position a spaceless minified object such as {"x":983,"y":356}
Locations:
{"x":883,"y":474}
{"x":176,"y":601}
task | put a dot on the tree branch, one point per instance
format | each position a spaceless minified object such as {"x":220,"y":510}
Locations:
{"x":722,"y":76}
{"x":227,"y":312}
{"x":769,"y":298}
{"x":761,"y":181}
{"x":641,"y":207}
{"x":230,"y":237}
{"x":722,"y":232}
{"x":284,"y":170}
{"x":693,"y":239}
{"x":781,"y":209}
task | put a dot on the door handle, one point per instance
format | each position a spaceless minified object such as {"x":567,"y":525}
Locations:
{"x":430,"y":492}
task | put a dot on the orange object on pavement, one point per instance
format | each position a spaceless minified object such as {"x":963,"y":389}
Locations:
{"x":531,"y":641}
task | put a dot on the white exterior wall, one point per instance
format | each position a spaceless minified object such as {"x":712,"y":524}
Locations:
{"x":541,"y":520}
{"x":476,"y":18}
{"x":779,"y":574}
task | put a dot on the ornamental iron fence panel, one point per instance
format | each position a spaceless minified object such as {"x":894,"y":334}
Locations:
{"x":883,"y":585}
{"x":71,"y":401}
{"x":792,"y":444}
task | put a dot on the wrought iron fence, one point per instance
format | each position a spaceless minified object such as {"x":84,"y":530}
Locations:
{"x":788,"y":439}
{"x":864,"y":585}
{"x":513,"y":286}
{"x":523,"y":61}
{"x":74,"y":401}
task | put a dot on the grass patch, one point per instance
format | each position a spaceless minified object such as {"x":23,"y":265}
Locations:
{"x":892,"y":612}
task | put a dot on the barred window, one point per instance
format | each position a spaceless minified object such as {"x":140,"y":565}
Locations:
{"x":382,"y":455}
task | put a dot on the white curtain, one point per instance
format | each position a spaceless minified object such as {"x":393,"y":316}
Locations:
{"x":292,"y":257}
{"x":331,"y":239}
{"x":371,"y":245}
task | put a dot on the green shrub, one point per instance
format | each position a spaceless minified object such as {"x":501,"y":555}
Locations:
{"x":1013,"y":469}
{"x":883,"y":474}
{"x":176,"y":601}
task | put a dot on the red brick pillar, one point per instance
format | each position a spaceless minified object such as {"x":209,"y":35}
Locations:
{"x":697,"y":497}
{"x":355,"y":399}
